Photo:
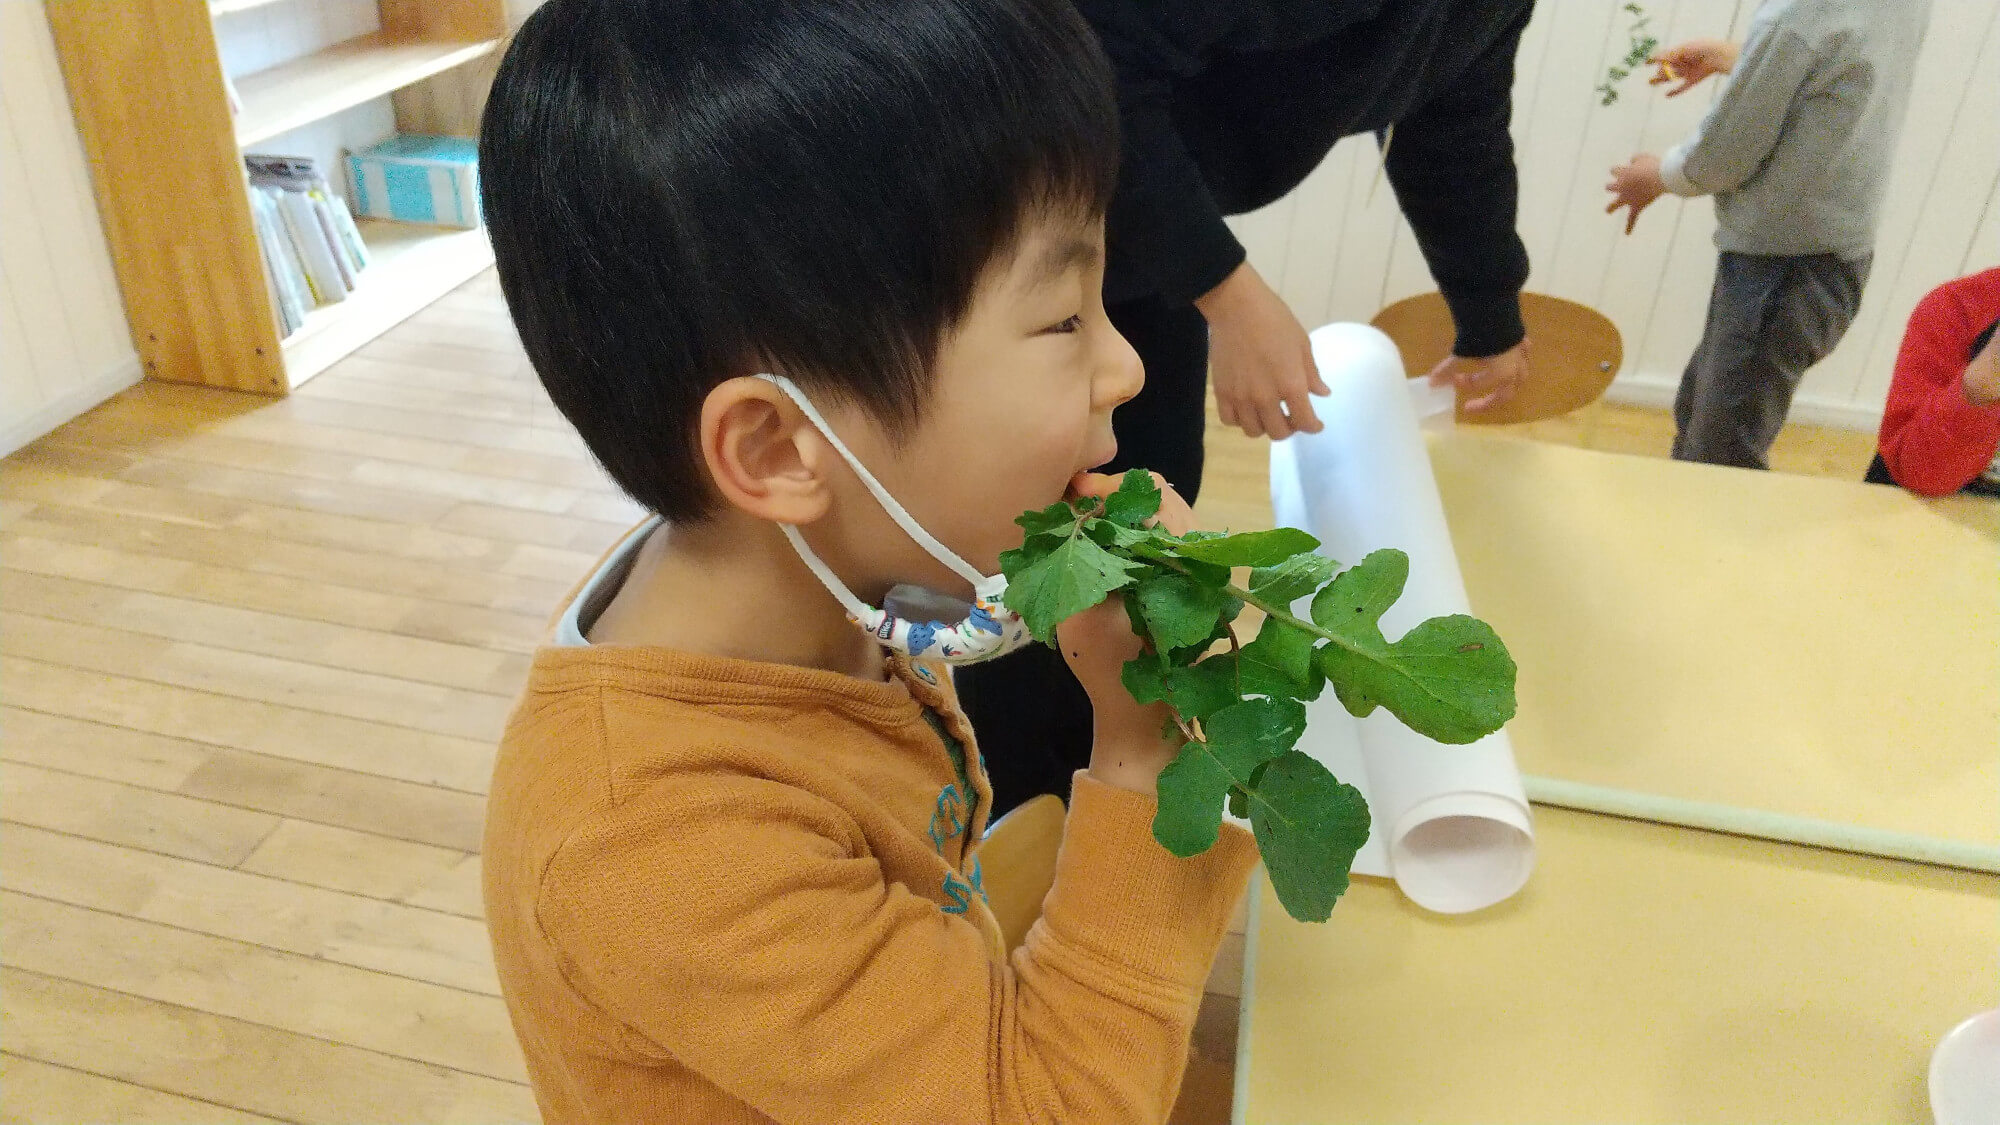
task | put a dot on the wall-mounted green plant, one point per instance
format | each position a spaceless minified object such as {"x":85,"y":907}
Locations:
{"x":1640,"y":47}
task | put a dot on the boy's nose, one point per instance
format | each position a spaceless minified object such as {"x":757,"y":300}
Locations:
{"x":1120,"y":373}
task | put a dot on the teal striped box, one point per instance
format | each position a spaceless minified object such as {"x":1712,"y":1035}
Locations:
{"x":415,"y":178}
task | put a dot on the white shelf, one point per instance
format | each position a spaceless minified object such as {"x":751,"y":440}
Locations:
{"x":323,"y":83}
{"x":412,"y":265}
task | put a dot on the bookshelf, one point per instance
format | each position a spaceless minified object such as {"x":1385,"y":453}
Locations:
{"x":146,"y":83}
{"x":323,"y":83}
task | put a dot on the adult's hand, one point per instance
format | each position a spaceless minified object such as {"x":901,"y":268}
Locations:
{"x":1692,"y":61}
{"x":1635,"y":184}
{"x":1491,"y":380}
{"x":1259,"y":358}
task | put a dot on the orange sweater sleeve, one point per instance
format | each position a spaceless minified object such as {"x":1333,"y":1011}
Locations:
{"x":739,"y":927}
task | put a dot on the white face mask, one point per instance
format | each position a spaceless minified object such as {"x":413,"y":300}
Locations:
{"x":945,"y":628}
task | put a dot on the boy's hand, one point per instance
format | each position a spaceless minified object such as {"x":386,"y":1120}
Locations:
{"x":1260,"y":359}
{"x":1692,"y":61}
{"x":1493,"y":378}
{"x":1128,"y":750}
{"x":1635,"y":184}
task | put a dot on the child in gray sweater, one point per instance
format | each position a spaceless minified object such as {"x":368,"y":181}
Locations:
{"x":1796,"y":152}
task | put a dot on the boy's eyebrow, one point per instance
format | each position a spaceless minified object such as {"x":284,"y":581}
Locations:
{"x":1058,"y":258}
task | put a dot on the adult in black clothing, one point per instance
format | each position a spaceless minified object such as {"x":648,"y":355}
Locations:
{"x":1226,"y":106}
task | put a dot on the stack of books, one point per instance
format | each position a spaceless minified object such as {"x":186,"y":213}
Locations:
{"x":313,"y":253}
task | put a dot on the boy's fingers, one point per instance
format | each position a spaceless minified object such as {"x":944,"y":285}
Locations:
{"x":1094,"y":484}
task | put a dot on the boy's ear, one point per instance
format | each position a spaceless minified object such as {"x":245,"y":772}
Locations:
{"x":763,"y":456}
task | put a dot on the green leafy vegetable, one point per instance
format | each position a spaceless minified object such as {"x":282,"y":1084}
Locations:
{"x":1292,"y":579}
{"x":1242,"y":711}
{"x":1639,"y":47}
{"x":1252,"y":548}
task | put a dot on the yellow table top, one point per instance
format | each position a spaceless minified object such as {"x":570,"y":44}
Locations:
{"x":1810,"y":647}
{"x":1646,"y":974}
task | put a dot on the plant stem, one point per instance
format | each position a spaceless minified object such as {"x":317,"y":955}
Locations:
{"x":1285,"y":616}
{"x":1270,"y":610}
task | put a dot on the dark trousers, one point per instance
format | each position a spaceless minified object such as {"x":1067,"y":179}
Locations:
{"x":1030,"y":715}
{"x":1769,"y":320}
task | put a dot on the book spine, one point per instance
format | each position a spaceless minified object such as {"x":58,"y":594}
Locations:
{"x":283,"y":263}
{"x":343,"y":222}
{"x":323,"y":215}
{"x":321,"y":269}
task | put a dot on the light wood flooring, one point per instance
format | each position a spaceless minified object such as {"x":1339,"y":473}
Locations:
{"x":254,"y":655}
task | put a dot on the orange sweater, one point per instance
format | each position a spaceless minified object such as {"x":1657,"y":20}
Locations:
{"x":729,"y":891}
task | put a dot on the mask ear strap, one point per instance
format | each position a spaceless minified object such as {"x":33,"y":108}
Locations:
{"x":903,"y":519}
{"x":854,"y":606}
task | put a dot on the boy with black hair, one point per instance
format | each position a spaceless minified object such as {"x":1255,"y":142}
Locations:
{"x":789,"y":267}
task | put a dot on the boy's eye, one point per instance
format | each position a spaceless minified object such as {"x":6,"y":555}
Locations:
{"x":1073,"y":324}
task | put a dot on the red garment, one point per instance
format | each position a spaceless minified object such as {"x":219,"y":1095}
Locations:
{"x":1933,"y":440}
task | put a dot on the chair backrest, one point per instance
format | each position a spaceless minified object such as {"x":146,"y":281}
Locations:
{"x":1017,"y":863}
{"x":1575,"y":353}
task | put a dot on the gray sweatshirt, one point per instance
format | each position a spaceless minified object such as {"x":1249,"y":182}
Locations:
{"x":1796,"y":150}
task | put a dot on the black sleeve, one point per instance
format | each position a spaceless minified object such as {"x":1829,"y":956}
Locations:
{"x":1452,"y":165}
{"x":1164,"y":232}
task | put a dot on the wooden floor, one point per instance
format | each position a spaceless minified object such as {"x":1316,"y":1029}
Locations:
{"x":256,"y":654}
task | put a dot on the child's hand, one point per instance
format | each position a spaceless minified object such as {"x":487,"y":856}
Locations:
{"x":1635,"y":184}
{"x":1982,"y":375}
{"x":1692,"y":61}
{"x":1129,"y":750}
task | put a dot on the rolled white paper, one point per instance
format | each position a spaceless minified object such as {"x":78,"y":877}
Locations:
{"x":1451,"y":823}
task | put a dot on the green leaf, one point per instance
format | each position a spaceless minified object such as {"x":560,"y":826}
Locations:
{"x":1287,"y":582}
{"x":1194,"y":786}
{"x":1074,"y":576}
{"x":1191,"y":791}
{"x":1145,"y":681}
{"x":1309,"y":826}
{"x":1279,"y":663}
{"x":1256,"y":730}
{"x":1136,"y":501}
{"x":1251,"y":548}
{"x":1449,"y":678}
{"x":1199,"y":690}
{"x":1239,"y":804}
{"x":1363,"y":592}
{"x":1208,"y":574}
{"x":1179,"y":611}
{"x":1056,"y":519}
{"x":1137,"y":620}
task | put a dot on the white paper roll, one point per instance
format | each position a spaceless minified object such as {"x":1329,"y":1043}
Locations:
{"x":1451,"y":823}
